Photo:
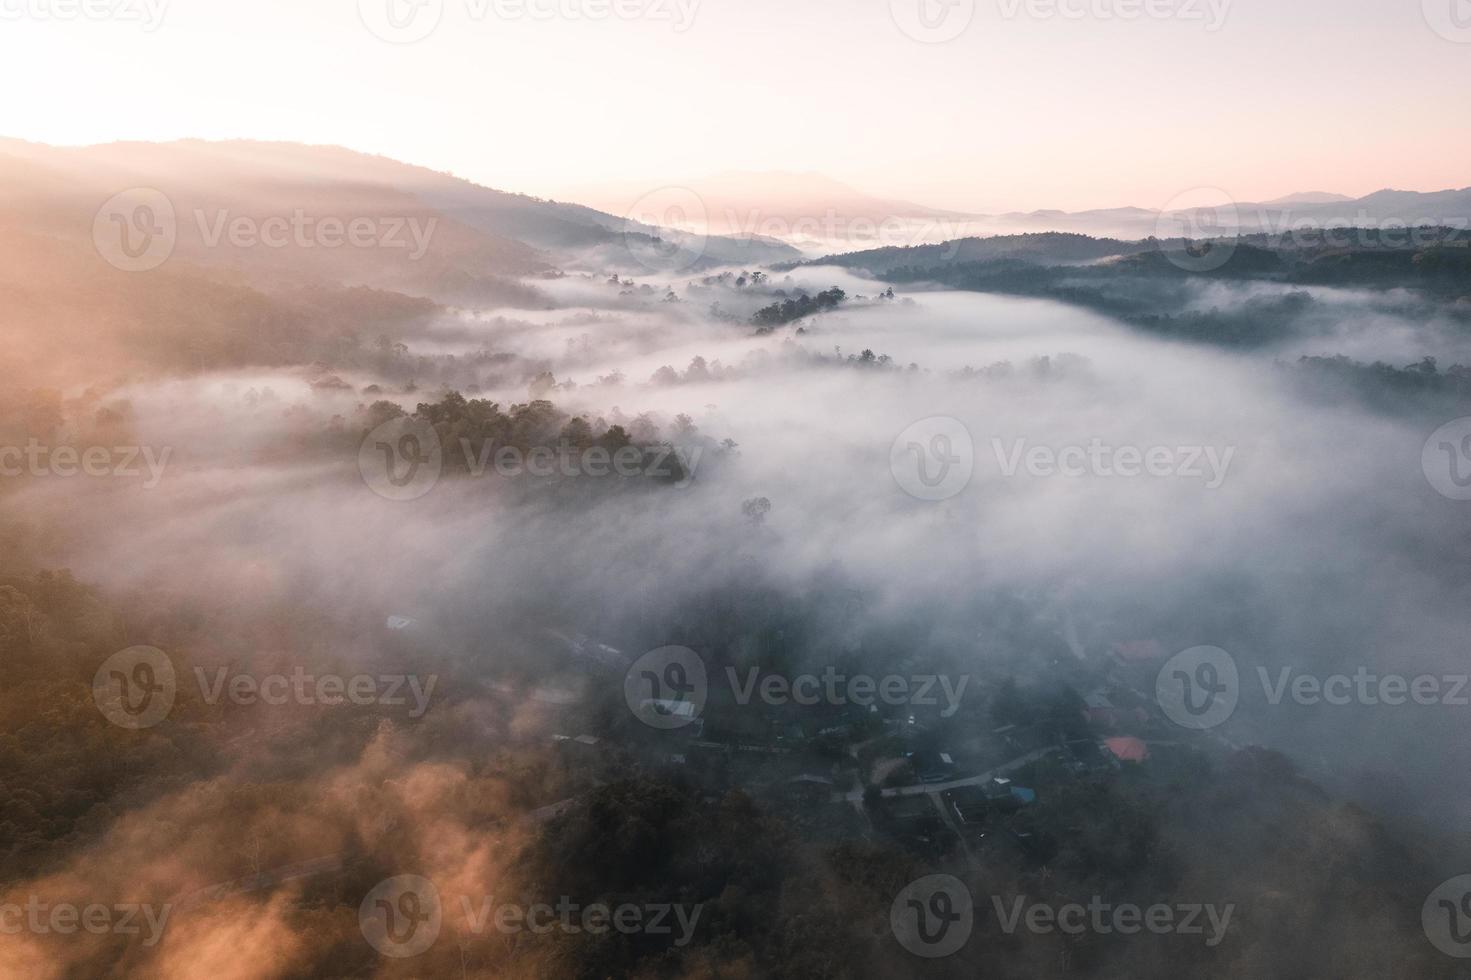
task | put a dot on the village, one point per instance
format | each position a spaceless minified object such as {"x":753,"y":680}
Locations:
{"x":958,"y":778}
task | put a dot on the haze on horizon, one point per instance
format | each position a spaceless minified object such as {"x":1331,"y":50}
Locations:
{"x":1030,"y":106}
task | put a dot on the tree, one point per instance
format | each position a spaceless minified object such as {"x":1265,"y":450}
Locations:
{"x":756,"y":509}
{"x":615,"y":438}
{"x":578,"y":432}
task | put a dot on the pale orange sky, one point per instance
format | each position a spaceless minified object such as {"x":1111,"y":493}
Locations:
{"x":1017,"y":112}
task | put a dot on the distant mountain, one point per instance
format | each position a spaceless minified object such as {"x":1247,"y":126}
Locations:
{"x":808,"y":210}
{"x":1376,"y":253}
{"x":1043,"y":248}
{"x":480,"y":237}
{"x":825,"y":217}
{"x":1143,"y":283}
{"x":738,"y":196}
{"x":737,"y":199}
{"x":1310,"y":197}
{"x":822,"y":216}
{"x":1316,"y":208}
{"x":1437,"y":207}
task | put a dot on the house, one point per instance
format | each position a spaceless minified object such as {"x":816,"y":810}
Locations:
{"x":1115,"y":710}
{"x":1134,"y":653}
{"x":811,"y":779}
{"x":807,"y":789}
{"x":969,"y":804}
{"x":1126,"y":748}
{"x":1005,"y":795}
{"x":582,"y":647}
{"x":665,"y":707}
{"x":1088,"y":756}
{"x":998,"y":788}
{"x":914,"y":820}
{"x":931,"y":766}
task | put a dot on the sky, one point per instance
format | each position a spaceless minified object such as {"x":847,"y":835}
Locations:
{"x":984,"y":105}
